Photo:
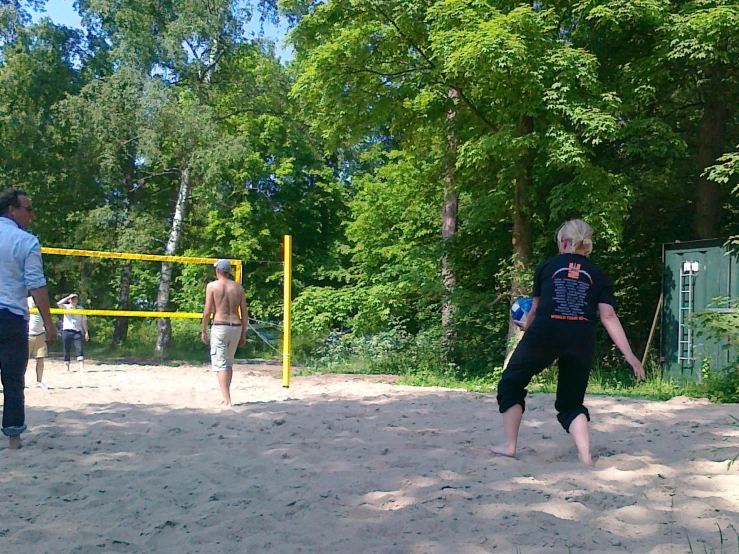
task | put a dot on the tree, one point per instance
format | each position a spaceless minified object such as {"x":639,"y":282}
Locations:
{"x":183,"y":42}
{"x":109,"y":117}
{"x":705,"y":37}
{"x":385,"y":67}
{"x":38,"y":69}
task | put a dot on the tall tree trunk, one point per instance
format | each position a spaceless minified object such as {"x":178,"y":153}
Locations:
{"x":523,"y":235}
{"x":711,"y":140}
{"x":449,"y":228}
{"x":164,"y":327}
{"x":120,"y":332}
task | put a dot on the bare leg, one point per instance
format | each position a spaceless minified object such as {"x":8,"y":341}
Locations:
{"x":40,"y":373}
{"x":224,"y":380}
{"x":15,"y":442}
{"x":511,"y":423}
{"x":581,"y":434}
{"x":39,"y":370}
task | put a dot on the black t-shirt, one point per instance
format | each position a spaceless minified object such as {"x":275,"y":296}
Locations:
{"x":570,"y":287}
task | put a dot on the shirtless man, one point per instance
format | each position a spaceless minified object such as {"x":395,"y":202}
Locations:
{"x":224,"y":299}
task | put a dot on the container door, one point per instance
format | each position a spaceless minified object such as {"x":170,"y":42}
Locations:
{"x":693,"y":279}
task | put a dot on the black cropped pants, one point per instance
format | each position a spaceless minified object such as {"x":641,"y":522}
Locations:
{"x":534,"y":354}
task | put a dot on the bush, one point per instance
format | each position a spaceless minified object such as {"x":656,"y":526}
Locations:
{"x":719,"y":325}
{"x":721,"y":387}
{"x":417,"y":358}
{"x":394,"y":351}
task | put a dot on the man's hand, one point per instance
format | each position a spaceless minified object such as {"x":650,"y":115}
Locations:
{"x":87,"y":336}
{"x":51,"y":335}
{"x":635,"y":364}
{"x":242,"y":341}
{"x":204,"y":337}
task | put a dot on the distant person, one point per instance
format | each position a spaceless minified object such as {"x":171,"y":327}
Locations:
{"x":225,"y":300}
{"x":569,"y":293}
{"x":21,"y":274}
{"x":74,"y":329}
{"x":37,"y":349}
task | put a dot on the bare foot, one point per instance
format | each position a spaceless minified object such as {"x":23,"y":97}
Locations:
{"x":504,"y":450}
{"x":585,"y":459}
{"x":226,"y":404}
{"x":15,"y":442}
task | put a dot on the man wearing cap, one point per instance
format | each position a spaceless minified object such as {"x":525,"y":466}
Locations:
{"x":74,"y":329}
{"x":225,"y":300}
{"x":21,"y":274}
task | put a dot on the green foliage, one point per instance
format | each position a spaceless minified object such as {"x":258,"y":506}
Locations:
{"x":719,"y":324}
{"x":393,"y":351}
{"x":524,"y":114}
{"x":722,"y":387}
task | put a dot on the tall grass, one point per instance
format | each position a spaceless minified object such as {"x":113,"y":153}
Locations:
{"x":723,"y":543}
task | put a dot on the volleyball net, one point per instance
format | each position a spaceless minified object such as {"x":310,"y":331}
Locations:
{"x":237,"y":266}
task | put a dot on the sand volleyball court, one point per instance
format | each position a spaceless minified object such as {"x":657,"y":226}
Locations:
{"x":140,"y":459}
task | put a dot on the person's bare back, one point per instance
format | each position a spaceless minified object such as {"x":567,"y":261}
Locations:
{"x":226,"y":302}
{"x":226,"y":297}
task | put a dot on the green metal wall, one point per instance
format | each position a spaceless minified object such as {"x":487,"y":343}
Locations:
{"x":718,"y":276}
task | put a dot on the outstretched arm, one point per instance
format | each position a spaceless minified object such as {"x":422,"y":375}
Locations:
{"x":616,"y":331}
{"x":207,"y":312}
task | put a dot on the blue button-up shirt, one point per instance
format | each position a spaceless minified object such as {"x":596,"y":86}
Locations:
{"x":21,"y":268}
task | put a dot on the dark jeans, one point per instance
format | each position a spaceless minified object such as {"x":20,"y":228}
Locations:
{"x":533,"y":355}
{"x":13,"y":360}
{"x":69,"y":338}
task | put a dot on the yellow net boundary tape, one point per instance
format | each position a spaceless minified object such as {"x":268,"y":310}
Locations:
{"x":143,"y":257}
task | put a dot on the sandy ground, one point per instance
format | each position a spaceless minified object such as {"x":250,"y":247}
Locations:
{"x":140,"y":459}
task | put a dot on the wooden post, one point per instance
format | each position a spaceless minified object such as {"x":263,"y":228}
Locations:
{"x":651,"y":332}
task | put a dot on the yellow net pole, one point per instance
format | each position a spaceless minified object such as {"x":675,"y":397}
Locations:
{"x":237,"y":273}
{"x":287,"y":285}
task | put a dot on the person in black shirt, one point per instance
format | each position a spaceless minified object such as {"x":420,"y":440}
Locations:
{"x":569,"y":293}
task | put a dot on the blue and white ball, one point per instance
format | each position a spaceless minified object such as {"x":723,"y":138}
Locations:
{"x":520,"y":310}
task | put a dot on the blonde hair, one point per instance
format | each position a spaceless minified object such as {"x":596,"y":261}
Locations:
{"x":579,"y":234}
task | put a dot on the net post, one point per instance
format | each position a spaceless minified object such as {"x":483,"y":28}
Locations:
{"x":287,"y":282}
{"x":237,"y":273}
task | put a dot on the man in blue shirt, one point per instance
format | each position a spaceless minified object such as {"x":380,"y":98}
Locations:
{"x":21,"y":274}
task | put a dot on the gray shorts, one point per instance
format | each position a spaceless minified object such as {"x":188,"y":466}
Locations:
{"x":223,"y":343}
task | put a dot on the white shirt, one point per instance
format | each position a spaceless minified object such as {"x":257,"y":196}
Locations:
{"x":35,"y":322}
{"x":72,"y":322}
{"x":21,"y":268}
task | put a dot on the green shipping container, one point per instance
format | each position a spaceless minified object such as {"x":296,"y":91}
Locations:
{"x":695,"y":274}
